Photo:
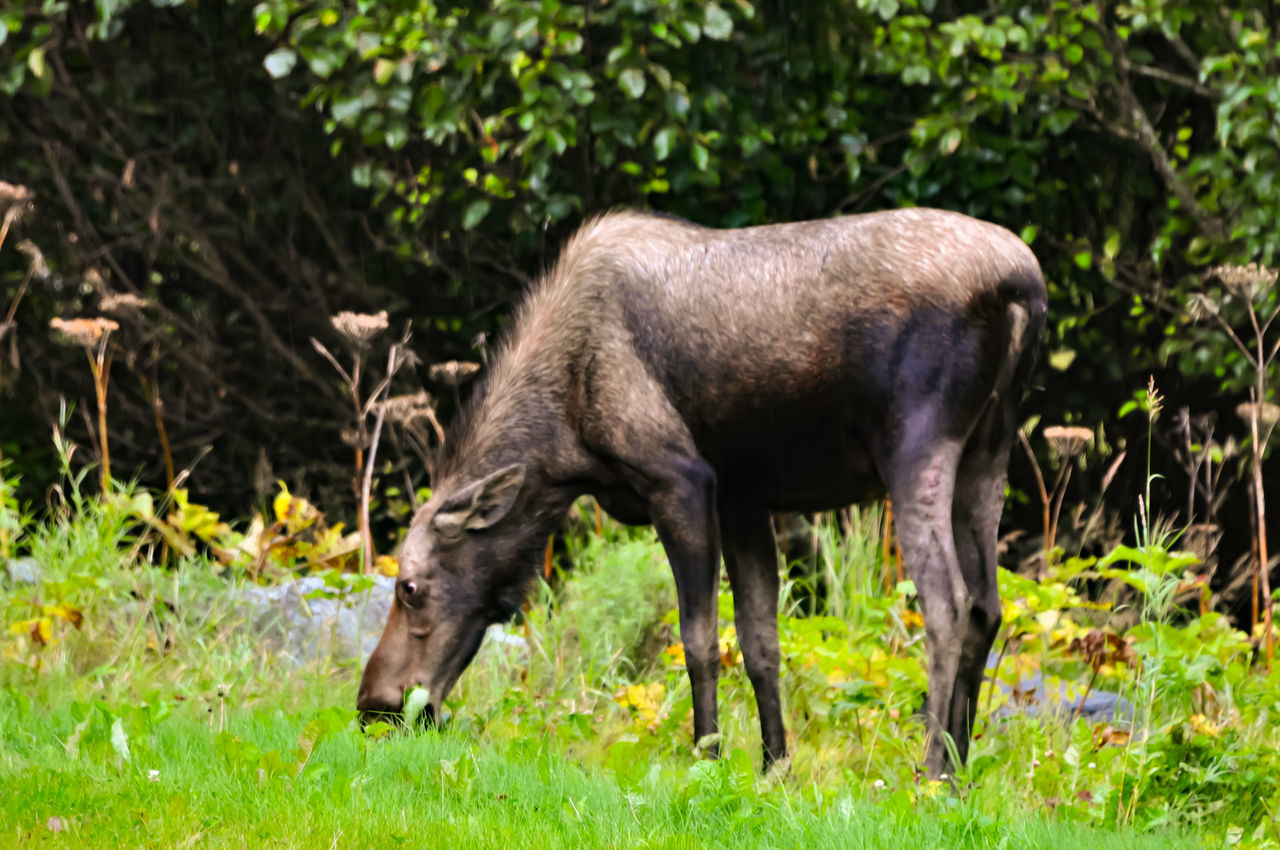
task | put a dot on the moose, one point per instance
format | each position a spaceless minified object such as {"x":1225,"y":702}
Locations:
{"x":698,"y":379}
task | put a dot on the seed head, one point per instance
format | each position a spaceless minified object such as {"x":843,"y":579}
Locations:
{"x":454,"y":372}
{"x":403,"y":409}
{"x":1268,"y":414}
{"x":359,"y":328}
{"x":1068,"y":440}
{"x":121,"y":302}
{"x":15,"y":201}
{"x":1201,"y":306}
{"x":84,"y":332}
{"x":36,"y":265}
{"x":1245,"y":281}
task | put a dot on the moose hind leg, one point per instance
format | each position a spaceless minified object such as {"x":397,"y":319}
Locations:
{"x":978,"y":503}
{"x":921,"y":484}
{"x":751,"y":559}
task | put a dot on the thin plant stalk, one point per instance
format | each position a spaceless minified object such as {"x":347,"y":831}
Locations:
{"x":100,"y":364}
{"x":1262,"y":572}
{"x":1044,"y":494}
{"x":366,"y":485}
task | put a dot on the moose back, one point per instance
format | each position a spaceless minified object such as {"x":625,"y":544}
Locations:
{"x":698,"y":379}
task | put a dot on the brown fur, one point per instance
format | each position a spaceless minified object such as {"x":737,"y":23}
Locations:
{"x":700,"y":378}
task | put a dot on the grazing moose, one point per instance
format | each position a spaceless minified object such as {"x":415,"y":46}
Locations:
{"x":698,"y":379}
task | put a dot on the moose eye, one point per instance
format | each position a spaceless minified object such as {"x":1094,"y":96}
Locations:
{"x":412,"y":591}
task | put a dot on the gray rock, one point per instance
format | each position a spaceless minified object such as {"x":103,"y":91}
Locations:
{"x":1034,"y":699}
{"x":333,"y":622}
{"x":23,"y":571}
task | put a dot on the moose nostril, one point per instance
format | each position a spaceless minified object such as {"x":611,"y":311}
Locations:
{"x":408,"y":588}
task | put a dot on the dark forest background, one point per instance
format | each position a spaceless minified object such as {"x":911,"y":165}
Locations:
{"x":250,"y":170}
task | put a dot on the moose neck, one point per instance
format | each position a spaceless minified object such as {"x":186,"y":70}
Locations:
{"x":517,"y":415}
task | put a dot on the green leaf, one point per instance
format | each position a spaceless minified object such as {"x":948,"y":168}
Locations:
{"x":280,"y":62}
{"x":417,"y":698}
{"x":663,"y":142}
{"x":717,"y":24}
{"x":1062,"y":359}
{"x":1060,"y":120}
{"x":1028,"y":233}
{"x":950,"y":141}
{"x":475,"y":213}
{"x":35,"y":61}
{"x":700,"y":156}
{"x":119,"y":740}
{"x":1084,"y":259}
{"x":632,"y":82}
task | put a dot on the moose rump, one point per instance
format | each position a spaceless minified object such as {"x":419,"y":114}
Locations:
{"x":699,"y":379}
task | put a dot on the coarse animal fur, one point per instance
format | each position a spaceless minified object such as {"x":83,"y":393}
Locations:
{"x":699,"y":379}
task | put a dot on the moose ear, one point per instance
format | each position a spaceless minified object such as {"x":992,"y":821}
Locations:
{"x":481,"y":504}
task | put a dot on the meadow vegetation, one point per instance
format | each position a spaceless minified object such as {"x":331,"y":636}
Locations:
{"x":138,"y":707}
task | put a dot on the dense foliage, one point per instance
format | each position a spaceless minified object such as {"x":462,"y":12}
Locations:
{"x":251,"y":169}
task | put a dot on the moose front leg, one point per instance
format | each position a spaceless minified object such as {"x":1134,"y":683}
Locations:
{"x":751,"y":559}
{"x":684,"y":515}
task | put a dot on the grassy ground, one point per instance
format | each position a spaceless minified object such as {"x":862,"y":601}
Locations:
{"x":186,"y":784}
{"x":159,"y":721}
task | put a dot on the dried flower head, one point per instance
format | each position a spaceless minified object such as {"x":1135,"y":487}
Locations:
{"x":121,"y":302}
{"x":454,"y":372}
{"x":359,"y":328}
{"x":1068,"y":440}
{"x":36,"y":266}
{"x":84,"y":332}
{"x":15,"y":201}
{"x":1201,"y":306}
{"x":1245,"y":281}
{"x":12,"y":195}
{"x":403,"y":409}
{"x":1268,"y":414}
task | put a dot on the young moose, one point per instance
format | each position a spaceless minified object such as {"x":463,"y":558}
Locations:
{"x":698,"y":379}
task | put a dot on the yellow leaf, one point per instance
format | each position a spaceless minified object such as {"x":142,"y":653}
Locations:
{"x":69,"y":613}
{"x":280,"y":504}
{"x":675,"y":652}
{"x":387,"y":565}
{"x":22,"y":626}
{"x":912,"y":619}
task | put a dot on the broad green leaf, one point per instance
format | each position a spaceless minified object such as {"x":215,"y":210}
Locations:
{"x":717,"y":24}
{"x":632,"y":82}
{"x":663,"y":142}
{"x":475,"y":213}
{"x":280,"y":62}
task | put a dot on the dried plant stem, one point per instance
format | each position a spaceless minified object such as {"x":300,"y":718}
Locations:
{"x":1044,"y":495}
{"x":546,"y":558}
{"x":157,"y":413}
{"x":100,"y":365}
{"x":4,"y":228}
{"x":886,"y":545}
{"x":366,"y":533}
{"x":1262,"y":572}
{"x":1059,"y":493}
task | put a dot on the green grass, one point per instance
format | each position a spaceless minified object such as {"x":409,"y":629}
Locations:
{"x":583,"y":738}
{"x":437,"y":790}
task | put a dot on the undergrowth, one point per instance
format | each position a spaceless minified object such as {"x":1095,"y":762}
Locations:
{"x":137,"y":706}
